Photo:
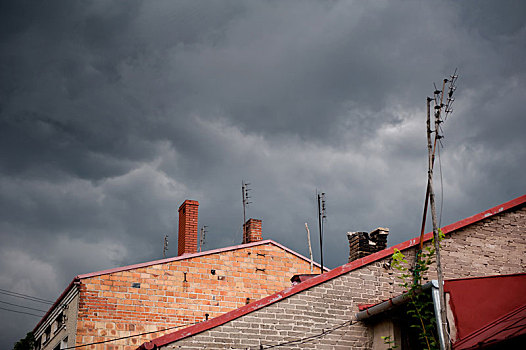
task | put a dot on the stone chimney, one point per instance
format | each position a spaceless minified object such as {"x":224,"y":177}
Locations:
{"x":362,"y":243}
{"x":252,"y":231}
{"x":188,"y":227}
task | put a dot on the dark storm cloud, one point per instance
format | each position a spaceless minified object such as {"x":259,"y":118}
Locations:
{"x":111,"y":114}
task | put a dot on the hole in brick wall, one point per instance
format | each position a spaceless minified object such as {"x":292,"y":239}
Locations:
{"x":220,"y":278}
{"x":247,"y":301}
{"x":136,"y":285}
{"x":213,"y":272}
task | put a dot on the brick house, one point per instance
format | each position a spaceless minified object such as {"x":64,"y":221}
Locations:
{"x":169,"y":293}
{"x":320,"y":312}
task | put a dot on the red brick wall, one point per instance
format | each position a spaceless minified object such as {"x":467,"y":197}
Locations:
{"x":496,"y":245}
{"x":253,"y":231}
{"x":110,"y":307}
{"x":188,"y":212}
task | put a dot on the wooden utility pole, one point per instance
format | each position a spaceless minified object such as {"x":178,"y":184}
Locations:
{"x":430,"y":195}
{"x":310,"y":248}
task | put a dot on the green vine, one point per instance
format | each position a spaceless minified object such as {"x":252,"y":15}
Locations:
{"x":420,"y":308}
{"x":391,"y":343}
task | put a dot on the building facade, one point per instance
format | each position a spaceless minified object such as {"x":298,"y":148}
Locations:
{"x":320,"y":313}
{"x":156,"y":297}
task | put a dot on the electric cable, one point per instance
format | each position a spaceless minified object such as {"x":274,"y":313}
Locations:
{"x":25,"y":307}
{"x":301,"y":340}
{"x":306,"y":339}
{"x":25,"y":296}
{"x":441,"y":189}
{"x":130,"y":336}
{"x":20,"y":312}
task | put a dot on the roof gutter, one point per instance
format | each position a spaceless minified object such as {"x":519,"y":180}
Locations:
{"x":404,"y":298}
{"x":389,"y":304}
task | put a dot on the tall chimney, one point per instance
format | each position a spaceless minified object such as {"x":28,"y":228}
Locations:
{"x":362,"y":244}
{"x":188,"y":227}
{"x":252,"y":231}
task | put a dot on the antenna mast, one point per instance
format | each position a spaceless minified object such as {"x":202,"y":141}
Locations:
{"x":440,"y":108}
{"x":246,"y":202}
{"x":165,"y":246}
{"x":202,"y":235}
{"x":321,"y":216}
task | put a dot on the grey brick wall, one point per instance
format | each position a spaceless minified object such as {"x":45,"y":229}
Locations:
{"x":496,"y":245}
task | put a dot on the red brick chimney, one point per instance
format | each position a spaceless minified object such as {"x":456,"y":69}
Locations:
{"x":252,"y":231}
{"x":188,"y":227}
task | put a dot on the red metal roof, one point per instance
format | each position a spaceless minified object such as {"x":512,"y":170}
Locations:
{"x":229,"y":316}
{"x":477,"y":302}
{"x":509,"y":326}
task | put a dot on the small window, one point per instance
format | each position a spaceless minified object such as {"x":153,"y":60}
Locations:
{"x":64,"y":343}
{"x":59,"y":321}
{"x":38,"y":343}
{"x":47,"y":334}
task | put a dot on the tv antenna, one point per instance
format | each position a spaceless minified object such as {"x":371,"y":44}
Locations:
{"x":165,"y":246}
{"x":322,"y":215}
{"x":246,"y":201}
{"x":442,"y":101}
{"x":202,"y":235}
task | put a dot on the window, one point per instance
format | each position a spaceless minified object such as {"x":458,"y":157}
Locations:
{"x":64,"y":343}
{"x":47,"y":334}
{"x":59,"y":322}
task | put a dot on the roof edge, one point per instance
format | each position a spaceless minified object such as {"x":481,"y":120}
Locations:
{"x":59,"y":299}
{"x":343,"y":269}
{"x":487,"y":326}
{"x":193,"y":255}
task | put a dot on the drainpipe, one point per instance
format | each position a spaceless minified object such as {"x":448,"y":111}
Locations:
{"x":435,"y":292}
{"x":402,"y":299}
{"x":388,"y":304}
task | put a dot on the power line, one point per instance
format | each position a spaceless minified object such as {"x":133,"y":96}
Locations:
{"x":304,"y":339}
{"x":130,"y":336}
{"x":312,"y":337}
{"x":25,"y":307}
{"x":25,"y":296}
{"x":20,"y":312}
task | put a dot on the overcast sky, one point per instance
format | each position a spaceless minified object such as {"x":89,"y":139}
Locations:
{"x":113,"y":113}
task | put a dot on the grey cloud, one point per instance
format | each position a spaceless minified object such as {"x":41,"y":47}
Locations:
{"x":111,"y":114}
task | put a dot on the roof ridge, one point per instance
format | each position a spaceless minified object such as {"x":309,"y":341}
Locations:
{"x":189,"y":256}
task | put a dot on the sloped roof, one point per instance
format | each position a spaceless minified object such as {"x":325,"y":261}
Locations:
{"x":165,"y":261}
{"x":509,"y":326}
{"x":194,"y":255}
{"x":477,"y":301}
{"x":341,"y":270}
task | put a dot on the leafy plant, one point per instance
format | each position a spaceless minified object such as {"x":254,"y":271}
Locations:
{"x":387,"y":340}
{"x":420,"y":306}
{"x":26,"y":343}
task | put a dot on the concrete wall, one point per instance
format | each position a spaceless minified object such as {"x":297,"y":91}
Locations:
{"x":60,"y":331}
{"x":110,"y":307}
{"x":496,"y":245}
